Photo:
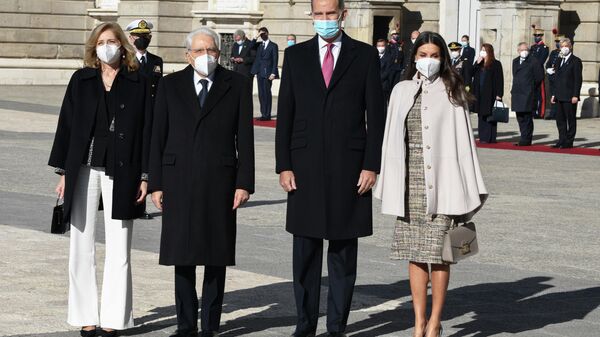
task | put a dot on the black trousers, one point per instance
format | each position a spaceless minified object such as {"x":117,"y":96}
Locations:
{"x":186,"y":299}
{"x":264,"y":96}
{"x":525,"y":120}
{"x":341,"y":266}
{"x":566,"y":122}
{"x":487,"y":130}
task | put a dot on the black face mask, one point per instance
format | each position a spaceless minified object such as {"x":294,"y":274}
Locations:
{"x":396,"y":38}
{"x":142,"y":42}
{"x":264,"y":36}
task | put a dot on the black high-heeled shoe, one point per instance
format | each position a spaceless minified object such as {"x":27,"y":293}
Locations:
{"x":87,"y":333}
{"x":104,"y":333}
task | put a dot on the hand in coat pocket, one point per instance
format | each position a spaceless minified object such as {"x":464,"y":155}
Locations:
{"x":157,"y":199}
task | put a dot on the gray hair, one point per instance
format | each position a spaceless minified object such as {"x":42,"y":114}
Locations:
{"x":341,"y":4}
{"x":239,"y":33}
{"x":203,"y":31}
{"x":522,"y":43}
{"x":566,"y":40}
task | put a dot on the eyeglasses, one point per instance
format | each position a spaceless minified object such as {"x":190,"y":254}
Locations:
{"x":203,"y":51}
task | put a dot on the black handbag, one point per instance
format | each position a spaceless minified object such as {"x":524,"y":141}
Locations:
{"x":58,"y":223}
{"x":499,"y":113}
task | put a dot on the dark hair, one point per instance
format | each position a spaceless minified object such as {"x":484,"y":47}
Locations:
{"x":292,"y":35}
{"x":381,"y":40}
{"x":261,"y":29}
{"x":490,"y":55}
{"x":455,"y":87}
{"x":467,"y":36}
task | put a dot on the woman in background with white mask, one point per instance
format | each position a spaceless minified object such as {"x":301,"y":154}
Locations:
{"x":101,"y":149}
{"x":488,"y":87}
{"x":430,"y":173}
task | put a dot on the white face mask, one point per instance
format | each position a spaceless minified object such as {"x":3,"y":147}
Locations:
{"x":524,"y":54}
{"x":381,"y":50}
{"x":454,"y":54}
{"x":428,"y":67}
{"x":483,"y":53}
{"x":239,"y":42}
{"x":108,"y":53}
{"x":565,"y":51}
{"x":205,"y":64}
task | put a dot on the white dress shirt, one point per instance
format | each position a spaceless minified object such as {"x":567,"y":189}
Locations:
{"x":139,"y":56}
{"x":335,"y":50}
{"x":265,"y":44}
{"x":197,"y":83}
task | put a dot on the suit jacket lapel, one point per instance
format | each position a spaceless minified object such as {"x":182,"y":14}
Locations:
{"x":187,"y":90}
{"x":344,"y":60}
{"x":217,"y":91}
{"x":314,"y":58}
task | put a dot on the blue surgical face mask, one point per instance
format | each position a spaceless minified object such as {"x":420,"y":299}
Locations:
{"x":464,"y":43}
{"x":291,"y":43}
{"x":327,"y":29}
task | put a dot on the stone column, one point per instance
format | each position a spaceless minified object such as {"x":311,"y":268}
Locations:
{"x":506,"y":23}
{"x":580,"y":21}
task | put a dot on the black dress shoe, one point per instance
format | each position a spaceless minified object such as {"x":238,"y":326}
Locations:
{"x":264,"y":119}
{"x":87,"y":333}
{"x":336,"y":334}
{"x":522,"y":144}
{"x":556,"y":146}
{"x":567,"y":146}
{"x":303,"y":334}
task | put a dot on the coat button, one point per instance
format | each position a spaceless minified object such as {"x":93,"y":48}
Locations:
{"x":121,"y":135}
{"x":122,"y":106}
{"x":120,"y":164}
{"x":154,"y":85}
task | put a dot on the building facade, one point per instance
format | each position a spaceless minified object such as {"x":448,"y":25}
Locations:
{"x":43,"y":39}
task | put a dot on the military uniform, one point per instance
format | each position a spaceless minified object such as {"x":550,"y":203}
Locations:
{"x":462,"y":65}
{"x":540,"y":52}
{"x":553,"y":63}
{"x":150,"y":65}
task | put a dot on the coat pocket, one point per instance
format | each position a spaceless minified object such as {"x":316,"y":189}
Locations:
{"x":298,"y":143}
{"x":168,"y":159}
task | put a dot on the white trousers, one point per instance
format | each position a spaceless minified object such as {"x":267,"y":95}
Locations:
{"x":116,"y":306}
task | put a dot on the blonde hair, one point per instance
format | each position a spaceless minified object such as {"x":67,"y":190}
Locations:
{"x":128,"y":57}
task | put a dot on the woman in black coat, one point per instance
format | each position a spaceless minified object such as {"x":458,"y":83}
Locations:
{"x":488,"y":87}
{"x":101,"y":149}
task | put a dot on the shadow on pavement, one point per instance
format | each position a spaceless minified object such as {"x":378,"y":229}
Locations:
{"x":505,"y":307}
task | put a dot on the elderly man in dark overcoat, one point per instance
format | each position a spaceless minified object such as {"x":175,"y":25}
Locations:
{"x":527,"y":73}
{"x":328,"y":151}
{"x":201,"y":171}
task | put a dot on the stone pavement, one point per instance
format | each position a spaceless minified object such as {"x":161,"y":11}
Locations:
{"x":537,"y":273}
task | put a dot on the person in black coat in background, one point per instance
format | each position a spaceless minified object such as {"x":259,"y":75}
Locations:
{"x":101,"y":148}
{"x":242,"y":54}
{"x":201,"y":172}
{"x":328,"y":141}
{"x":386,"y":63}
{"x":527,"y":75}
{"x":488,"y":87}
{"x":265,"y":69}
{"x":566,"y":93}
{"x":461,"y":64}
{"x":397,"y":55}
{"x":467,"y":51}
{"x":151,"y":66}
